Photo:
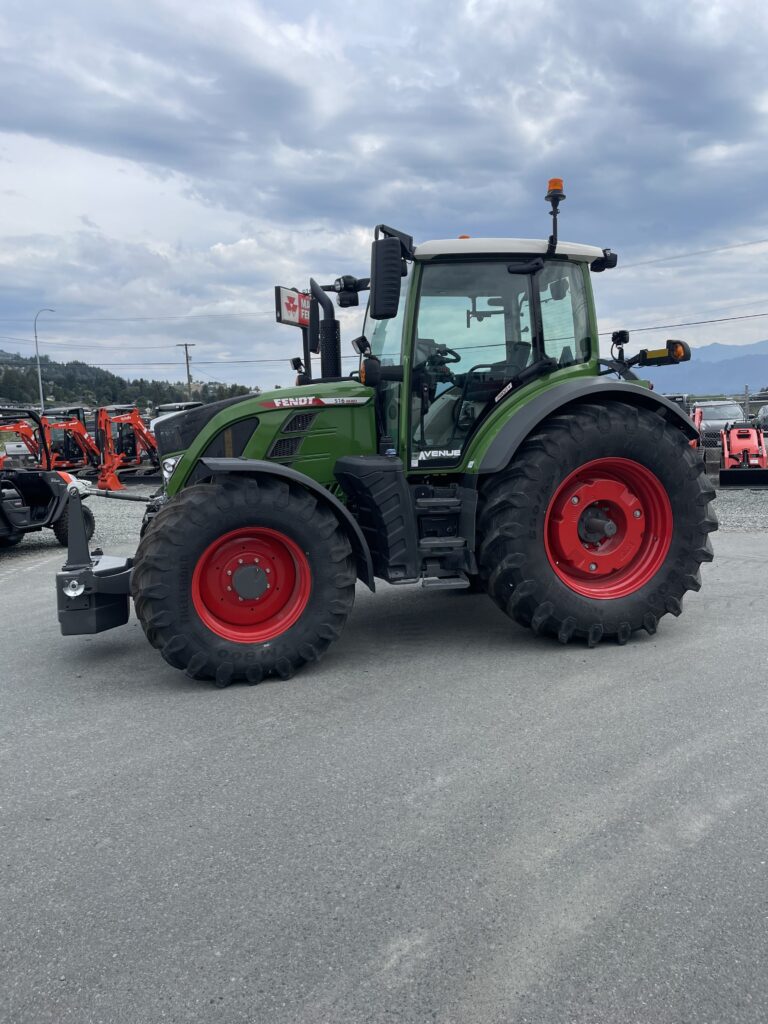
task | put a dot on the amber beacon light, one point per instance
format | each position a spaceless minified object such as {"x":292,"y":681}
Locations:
{"x":554,"y":197}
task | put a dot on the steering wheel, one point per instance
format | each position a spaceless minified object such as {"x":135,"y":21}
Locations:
{"x":441,"y":357}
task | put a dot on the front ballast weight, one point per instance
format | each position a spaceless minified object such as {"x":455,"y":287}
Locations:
{"x":92,"y":592}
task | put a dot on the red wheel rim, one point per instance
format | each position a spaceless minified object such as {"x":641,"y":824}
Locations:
{"x":251,"y":585}
{"x":608,"y":528}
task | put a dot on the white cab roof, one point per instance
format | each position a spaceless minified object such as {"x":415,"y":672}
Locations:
{"x":503,"y":246}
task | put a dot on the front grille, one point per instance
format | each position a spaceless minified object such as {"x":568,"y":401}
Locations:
{"x":300,"y":422}
{"x":230,"y":442}
{"x":285,"y":448}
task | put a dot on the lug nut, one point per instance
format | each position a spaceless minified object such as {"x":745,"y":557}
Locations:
{"x":592,"y":566}
{"x":239,"y":561}
{"x":239,"y":599}
{"x":229,"y":588}
{"x":267,"y":570}
{"x":637,"y":513}
{"x":574,"y":500}
{"x":229,"y":572}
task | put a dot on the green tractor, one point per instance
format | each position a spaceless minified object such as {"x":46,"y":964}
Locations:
{"x":482,"y":444}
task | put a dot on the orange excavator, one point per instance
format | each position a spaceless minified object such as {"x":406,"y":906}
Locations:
{"x":124,"y":442}
{"x":72,"y":447}
{"x":133,"y":438}
{"x":19,"y":431}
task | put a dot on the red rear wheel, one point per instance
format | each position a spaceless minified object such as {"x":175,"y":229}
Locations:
{"x":598,"y":526}
{"x":251,"y":585}
{"x":608,"y":528}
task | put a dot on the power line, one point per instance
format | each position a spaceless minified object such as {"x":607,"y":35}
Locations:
{"x":78,"y":344}
{"x":692,"y":323}
{"x":197,"y":362}
{"x":697,"y":252}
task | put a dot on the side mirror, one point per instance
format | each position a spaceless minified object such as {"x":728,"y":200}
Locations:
{"x":386,"y":274}
{"x":559,"y":289}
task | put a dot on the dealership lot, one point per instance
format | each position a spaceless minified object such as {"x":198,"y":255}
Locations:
{"x":447,"y":819}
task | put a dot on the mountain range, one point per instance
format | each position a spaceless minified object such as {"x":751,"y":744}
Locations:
{"x":715,"y":369}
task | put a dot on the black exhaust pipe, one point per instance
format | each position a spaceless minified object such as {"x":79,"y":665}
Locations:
{"x":330,"y":335}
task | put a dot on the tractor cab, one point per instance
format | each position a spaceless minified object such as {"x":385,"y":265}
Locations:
{"x":477,"y":319}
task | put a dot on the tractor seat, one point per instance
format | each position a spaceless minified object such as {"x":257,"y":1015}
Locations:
{"x":484,"y":388}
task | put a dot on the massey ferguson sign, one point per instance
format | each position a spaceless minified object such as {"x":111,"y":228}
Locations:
{"x":291,"y":307}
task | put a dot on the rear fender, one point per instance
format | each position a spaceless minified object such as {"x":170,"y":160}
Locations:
{"x":258,"y":467}
{"x":554,"y":400}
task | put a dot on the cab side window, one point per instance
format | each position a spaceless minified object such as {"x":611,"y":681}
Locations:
{"x":564,"y":314}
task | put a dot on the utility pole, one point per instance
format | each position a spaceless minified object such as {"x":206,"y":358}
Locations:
{"x":187,"y":345}
{"x":37,"y":356}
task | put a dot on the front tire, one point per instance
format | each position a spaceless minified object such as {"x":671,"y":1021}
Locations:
{"x":599,"y":526}
{"x":243,"y":579}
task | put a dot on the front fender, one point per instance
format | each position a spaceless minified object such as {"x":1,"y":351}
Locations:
{"x":581,"y":389}
{"x":259,"y":467}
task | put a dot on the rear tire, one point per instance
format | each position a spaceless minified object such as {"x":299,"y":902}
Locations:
{"x":187,"y":563}
{"x":543,"y":570}
{"x":61,"y":526}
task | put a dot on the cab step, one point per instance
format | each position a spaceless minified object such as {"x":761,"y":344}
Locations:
{"x":438,"y":504}
{"x":445,"y":583}
{"x":432,"y":544}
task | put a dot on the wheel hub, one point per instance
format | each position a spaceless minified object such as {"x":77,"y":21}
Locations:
{"x":251,"y":585}
{"x":250,"y":582}
{"x":608,"y":528}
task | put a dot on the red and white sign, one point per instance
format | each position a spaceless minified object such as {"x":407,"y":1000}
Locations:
{"x":291,"y":307}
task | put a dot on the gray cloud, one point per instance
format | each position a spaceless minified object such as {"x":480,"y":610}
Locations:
{"x":308,"y":128}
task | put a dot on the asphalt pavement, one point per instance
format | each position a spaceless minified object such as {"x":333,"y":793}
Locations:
{"x":446,"y":820}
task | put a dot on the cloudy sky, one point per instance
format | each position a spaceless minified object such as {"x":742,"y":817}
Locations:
{"x":163,"y":164}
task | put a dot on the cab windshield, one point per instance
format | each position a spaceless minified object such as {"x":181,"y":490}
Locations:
{"x":479,"y":326}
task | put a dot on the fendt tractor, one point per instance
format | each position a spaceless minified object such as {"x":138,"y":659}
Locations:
{"x":482,"y":444}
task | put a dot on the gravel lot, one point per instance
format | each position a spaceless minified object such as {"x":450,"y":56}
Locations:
{"x":445,"y":821}
{"x":740,"y":509}
{"x":118,"y":522}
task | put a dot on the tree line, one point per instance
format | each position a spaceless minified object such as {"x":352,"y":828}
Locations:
{"x":77,"y":383}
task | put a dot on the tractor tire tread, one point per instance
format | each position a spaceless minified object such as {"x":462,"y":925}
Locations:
{"x":176,"y":632}
{"x":507,"y":542}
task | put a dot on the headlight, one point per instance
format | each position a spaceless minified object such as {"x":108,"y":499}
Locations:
{"x":168,"y":467}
